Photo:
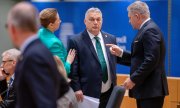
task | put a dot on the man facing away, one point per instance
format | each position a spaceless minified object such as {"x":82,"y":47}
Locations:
{"x":38,"y":82}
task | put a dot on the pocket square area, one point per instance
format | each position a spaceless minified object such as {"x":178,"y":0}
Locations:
{"x":136,"y":41}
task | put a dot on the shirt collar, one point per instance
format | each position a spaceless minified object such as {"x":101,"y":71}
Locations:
{"x":92,"y":36}
{"x":13,"y":76}
{"x":27,"y":42}
{"x":144,"y":22}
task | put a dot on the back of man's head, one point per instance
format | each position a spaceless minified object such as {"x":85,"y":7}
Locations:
{"x":24,"y":16}
{"x":139,"y":7}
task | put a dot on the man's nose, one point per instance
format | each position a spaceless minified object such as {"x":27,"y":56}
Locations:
{"x":95,"y":21}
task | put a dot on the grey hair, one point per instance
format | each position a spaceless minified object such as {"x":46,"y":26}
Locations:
{"x":139,"y":7}
{"x":24,"y":16}
{"x":13,"y":54}
{"x":93,"y":9}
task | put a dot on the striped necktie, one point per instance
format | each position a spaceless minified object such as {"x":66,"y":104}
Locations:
{"x":9,"y":87}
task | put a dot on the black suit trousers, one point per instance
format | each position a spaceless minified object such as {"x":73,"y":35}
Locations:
{"x":156,"y":102}
{"x":104,"y":97}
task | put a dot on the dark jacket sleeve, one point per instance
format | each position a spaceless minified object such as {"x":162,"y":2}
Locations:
{"x":125,"y":59}
{"x":9,"y":102}
{"x":151,"y":42}
{"x":3,"y":88}
{"x":74,"y":75}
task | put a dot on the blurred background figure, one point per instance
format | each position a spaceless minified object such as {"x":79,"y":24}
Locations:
{"x":69,"y":99}
{"x":50,"y":21}
{"x":38,"y":83}
{"x":9,"y":61}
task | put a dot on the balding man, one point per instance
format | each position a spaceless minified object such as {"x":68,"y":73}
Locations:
{"x":147,"y":82}
{"x":8,"y":64}
{"x":38,"y":82}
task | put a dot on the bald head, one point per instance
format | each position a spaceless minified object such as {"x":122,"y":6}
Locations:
{"x":24,"y":16}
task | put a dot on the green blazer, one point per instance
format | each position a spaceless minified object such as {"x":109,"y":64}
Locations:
{"x":55,"y":46}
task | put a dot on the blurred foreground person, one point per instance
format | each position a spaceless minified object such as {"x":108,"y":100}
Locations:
{"x":38,"y":82}
{"x":69,"y":99}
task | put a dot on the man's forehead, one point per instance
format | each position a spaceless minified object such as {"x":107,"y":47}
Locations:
{"x":94,"y":14}
{"x":6,"y":57}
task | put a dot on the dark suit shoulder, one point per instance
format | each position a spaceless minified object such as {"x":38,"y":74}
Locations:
{"x":108,"y":34}
{"x":152,"y":26}
{"x":77,"y":37}
{"x":111,"y":38}
{"x":153,"y":31}
{"x":36,"y":48}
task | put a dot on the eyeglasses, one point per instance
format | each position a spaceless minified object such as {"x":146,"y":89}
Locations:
{"x":4,"y":62}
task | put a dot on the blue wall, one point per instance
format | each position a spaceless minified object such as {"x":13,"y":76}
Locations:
{"x":175,"y":38}
{"x":115,"y":21}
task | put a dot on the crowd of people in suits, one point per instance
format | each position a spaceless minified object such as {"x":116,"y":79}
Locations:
{"x":44,"y":75}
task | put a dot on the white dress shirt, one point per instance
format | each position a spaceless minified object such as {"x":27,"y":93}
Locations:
{"x":144,"y":22}
{"x":105,"y":86}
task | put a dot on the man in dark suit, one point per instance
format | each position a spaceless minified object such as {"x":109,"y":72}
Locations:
{"x":9,"y":61}
{"x":38,"y":83}
{"x":93,"y":71}
{"x":147,"y":82}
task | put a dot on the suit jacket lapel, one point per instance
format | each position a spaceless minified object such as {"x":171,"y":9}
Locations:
{"x":90,"y":44}
{"x":106,"y":41}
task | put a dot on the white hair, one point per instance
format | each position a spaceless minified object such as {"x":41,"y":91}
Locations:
{"x":139,"y":7}
{"x":93,"y":9}
{"x":12,"y":54}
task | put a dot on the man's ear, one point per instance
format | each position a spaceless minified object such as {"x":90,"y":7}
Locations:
{"x":13,"y":29}
{"x":14,"y":62}
{"x":84,"y":21}
{"x":139,"y":16}
{"x":50,"y":26}
{"x":14,"y":33}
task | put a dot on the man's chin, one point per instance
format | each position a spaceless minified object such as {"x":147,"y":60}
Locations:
{"x":96,"y":31}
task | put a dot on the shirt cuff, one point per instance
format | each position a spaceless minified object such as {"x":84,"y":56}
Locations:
{"x":121,"y":53}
